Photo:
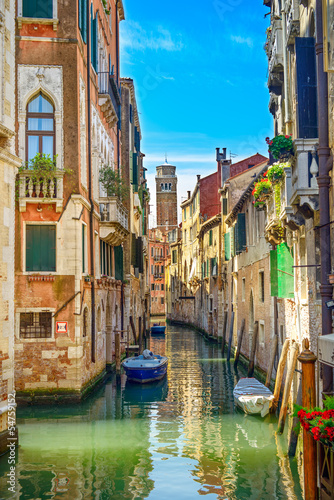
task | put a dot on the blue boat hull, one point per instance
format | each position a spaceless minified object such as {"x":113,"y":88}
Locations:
{"x":145,"y":375}
{"x":158,"y":330}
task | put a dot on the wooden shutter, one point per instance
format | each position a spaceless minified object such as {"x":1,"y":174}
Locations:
{"x":241,"y":233}
{"x":306,"y":88}
{"x":285,"y":272}
{"x":94,"y":43}
{"x":133,"y":250}
{"x":210,"y":237}
{"x":273,"y":274}
{"x":38,"y":8}
{"x":227,"y":246}
{"x":41,"y":248}
{"x":224,"y":206}
{"x":84,"y":19}
{"x":80,"y":15}
{"x":30,"y":251}
{"x":118,"y":253}
{"x":139,"y":252}
{"x":135,"y":170}
{"x":83,"y":256}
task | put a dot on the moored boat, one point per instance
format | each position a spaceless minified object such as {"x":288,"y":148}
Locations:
{"x":252,"y":396}
{"x":145,"y":368}
{"x":158,"y":329}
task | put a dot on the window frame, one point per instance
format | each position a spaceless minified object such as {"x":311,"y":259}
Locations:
{"x":40,"y":133}
{"x":38,"y":20}
{"x":24,"y":253}
{"x":35,"y":310}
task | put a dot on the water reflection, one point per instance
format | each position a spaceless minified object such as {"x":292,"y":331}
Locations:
{"x":179,"y":438}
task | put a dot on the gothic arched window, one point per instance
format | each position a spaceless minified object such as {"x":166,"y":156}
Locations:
{"x":40,"y":127}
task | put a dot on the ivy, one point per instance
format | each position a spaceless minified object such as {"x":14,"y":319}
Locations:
{"x":107,"y":11}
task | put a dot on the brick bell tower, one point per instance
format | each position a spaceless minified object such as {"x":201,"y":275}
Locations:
{"x":166,"y":189}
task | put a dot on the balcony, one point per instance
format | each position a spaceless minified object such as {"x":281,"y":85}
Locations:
{"x":305,"y":191}
{"x":275,"y":55}
{"x":292,"y":21}
{"x":109,"y":98}
{"x":114,"y":226}
{"x":41,"y":192}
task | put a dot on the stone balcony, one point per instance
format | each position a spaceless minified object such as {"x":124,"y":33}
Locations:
{"x":109,"y":98}
{"x":114,"y":225}
{"x":275,"y":53}
{"x":41,"y":192}
{"x":305,"y":191}
{"x":292,"y":21}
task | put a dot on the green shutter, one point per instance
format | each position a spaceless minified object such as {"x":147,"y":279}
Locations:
{"x":135,"y":170}
{"x":118,"y":252}
{"x":41,"y":248}
{"x":83,"y":248}
{"x":203,"y":271}
{"x":232,"y":233}
{"x":94,"y":42}
{"x":273,"y":274}
{"x":80,"y":15}
{"x":210,"y":237}
{"x":227,"y":245}
{"x":224,"y":206}
{"x":83,"y":4}
{"x":133,"y":250}
{"x":241,"y":233}
{"x":285,"y":272}
{"x":131,"y":166}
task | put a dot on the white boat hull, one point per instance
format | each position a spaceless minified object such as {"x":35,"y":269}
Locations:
{"x":253,"y":397}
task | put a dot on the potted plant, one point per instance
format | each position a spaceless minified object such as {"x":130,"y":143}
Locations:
{"x":87,"y":279}
{"x":259,"y":205}
{"x":320,"y":423}
{"x":262,"y":189}
{"x":276,"y":172}
{"x":112,"y":182}
{"x":280,"y":146}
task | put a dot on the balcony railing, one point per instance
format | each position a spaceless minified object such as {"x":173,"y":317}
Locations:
{"x":114,"y":221}
{"x":31,"y":191}
{"x":109,"y":97}
{"x":305,"y":189}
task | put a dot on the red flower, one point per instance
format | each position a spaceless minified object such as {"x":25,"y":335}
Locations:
{"x":287,"y":136}
{"x":270,"y":143}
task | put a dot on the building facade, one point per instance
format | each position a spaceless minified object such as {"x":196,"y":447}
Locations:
{"x":9,"y":164}
{"x":73,"y":228}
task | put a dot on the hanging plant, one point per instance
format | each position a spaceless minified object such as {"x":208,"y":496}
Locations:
{"x":113,"y":182}
{"x":259,"y":205}
{"x":280,"y":146}
{"x":107,"y":11}
{"x":320,"y":423}
{"x":277,"y":171}
{"x":262,"y":189}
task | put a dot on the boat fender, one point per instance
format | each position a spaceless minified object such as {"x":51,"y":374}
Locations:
{"x":147,"y":354}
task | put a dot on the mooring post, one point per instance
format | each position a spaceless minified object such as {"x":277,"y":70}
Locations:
{"x":241,"y":334}
{"x":279,"y":374}
{"x":224,"y":332}
{"x":118,"y":352}
{"x":308,"y":359}
{"x":272,"y":360}
{"x":127,"y":340}
{"x":230,"y":338}
{"x":253,"y":351}
{"x":133,"y":330}
{"x":140,"y":335}
{"x":287,"y":387}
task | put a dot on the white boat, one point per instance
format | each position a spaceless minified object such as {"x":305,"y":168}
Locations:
{"x":253,"y":397}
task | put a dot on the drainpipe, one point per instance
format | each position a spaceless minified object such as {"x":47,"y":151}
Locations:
{"x":90,"y":194}
{"x":287,"y":120}
{"x":325,"y":165}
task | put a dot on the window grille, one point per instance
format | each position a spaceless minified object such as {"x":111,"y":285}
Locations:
{"x":35,"y":325}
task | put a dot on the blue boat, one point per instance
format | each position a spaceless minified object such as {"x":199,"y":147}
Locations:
{"x":145,"y":368}
{"x":158,"y":329}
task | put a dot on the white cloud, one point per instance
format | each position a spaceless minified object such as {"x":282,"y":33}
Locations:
{"x":135,"y":37}
{"x":239,"y":39}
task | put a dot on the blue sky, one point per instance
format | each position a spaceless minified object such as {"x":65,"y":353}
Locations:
{"x":200,"y":73}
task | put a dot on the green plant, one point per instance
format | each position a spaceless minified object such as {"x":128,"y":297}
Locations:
{"x":276,"y":171}
{"x":42,"y":171}
{"x":107,"y":11}
{"x":280,"y":145}
{"x":113,"y":182}
{"x":262,"y":189}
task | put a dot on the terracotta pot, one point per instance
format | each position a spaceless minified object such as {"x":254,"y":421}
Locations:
{"x":331,"y":279}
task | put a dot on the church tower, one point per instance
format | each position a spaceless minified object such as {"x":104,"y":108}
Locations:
{"x":166,"y":197}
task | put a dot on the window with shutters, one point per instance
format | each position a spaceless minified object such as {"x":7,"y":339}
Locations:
{"x":174,"y":257}
{"x":118,"y":253}
{"x":94,"y":39}
{"x":240,"y":234}
{"x":227,"y":246}
{"x":41,"y":248}
{"x":40,"y":135}
{"x":162,"y":300}
{"x":152,"y":287}
{"x":261,"y":286}
{"x":162,"y":287}
{"x":281,"y":272}
{"x":40,"y":9}
{"x":36,"y":325}
{"x":210,"y":237}
{"x":106,"y":259}
{"x":82,"y":18}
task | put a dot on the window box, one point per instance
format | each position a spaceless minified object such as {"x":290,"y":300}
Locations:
{"x":40,"y":277}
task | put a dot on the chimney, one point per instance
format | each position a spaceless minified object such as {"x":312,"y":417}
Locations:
{"x":217,"y":154}
{"x":224,"y":153}
{"x":189,"y":193}
{"x":198,"y":177}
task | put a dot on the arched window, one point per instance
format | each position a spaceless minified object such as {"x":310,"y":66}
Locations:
{"x":40,"y":127}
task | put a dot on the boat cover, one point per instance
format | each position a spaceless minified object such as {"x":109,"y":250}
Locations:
{"x":252,"y":396}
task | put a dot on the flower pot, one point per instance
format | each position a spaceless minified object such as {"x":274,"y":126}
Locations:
{"x":87,"y":279}
{"x":331,"y":279}
{"x":285,"y":154}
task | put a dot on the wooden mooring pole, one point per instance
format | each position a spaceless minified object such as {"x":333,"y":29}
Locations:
{"x":287,"y":387}
{"x":133,"y":329}
{"x":224,"y":332}
{"x":140,"y":335}
{"x":118,"y":352}
{"x":308,"y":359}
{"x":230,"y":338}
{"x":272,"y":360}
{"x":251,"y":365}
{"x":241,"y":334}
{"x":279,"y":374}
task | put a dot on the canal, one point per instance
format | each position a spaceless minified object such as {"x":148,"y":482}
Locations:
{"x":179,"y":439}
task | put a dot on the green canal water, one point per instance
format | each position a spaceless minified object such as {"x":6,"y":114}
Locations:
{"x":180,"y":439}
